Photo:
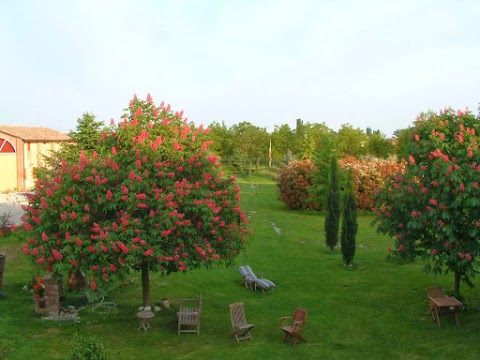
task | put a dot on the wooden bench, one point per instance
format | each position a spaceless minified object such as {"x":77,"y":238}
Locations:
{"x":189,"y":316}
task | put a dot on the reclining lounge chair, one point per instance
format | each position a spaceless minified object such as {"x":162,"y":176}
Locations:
{"x":253,"y":282}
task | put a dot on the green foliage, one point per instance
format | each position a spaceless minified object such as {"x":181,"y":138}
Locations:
{"x":402,"y":143}
{"x":251,"y":144}
{"x":293,"y":182}
{"x":151,"y":199}
{"x":87,"y":349}
{"x":379,"y":146}
{"x":283,"y":141}
{"x":327,"y":146}
{"x":433,"y":209}
{"x":244,"y":145}
{"x":223,"y":141}
{"x":332,"y":216}
{"x":85,"y":139}
{"x":352,"y":141}
{"x":349,"y":221}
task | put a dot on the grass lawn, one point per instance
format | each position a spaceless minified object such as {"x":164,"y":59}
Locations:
{"x":375,"y":310}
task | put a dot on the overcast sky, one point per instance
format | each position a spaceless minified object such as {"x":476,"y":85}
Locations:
{"x":367,"y":63}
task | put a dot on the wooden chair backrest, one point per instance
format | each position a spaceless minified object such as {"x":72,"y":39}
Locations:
{"x":299,"y":317}
{"x":237,"y":314}
{"x":435,"y":292}
{"x":199,"y":302}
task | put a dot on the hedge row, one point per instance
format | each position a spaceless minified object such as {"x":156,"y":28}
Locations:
{"x":295,"y":180}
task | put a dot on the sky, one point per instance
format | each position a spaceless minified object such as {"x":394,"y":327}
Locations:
{"x":367,"y":63}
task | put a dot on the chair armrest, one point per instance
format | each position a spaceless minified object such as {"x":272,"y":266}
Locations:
{"x":297,"y":324}
{"x":284,"y":320}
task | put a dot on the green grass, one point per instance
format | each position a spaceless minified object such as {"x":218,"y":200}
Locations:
{"x":374,"y":310}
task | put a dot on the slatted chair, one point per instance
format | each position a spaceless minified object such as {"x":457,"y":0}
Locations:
{"x":189,"y":316}
{"x":433,"y":293}
{"x":250,"y":280}
{"x":293,"y":326}
{"x":240,"y":327}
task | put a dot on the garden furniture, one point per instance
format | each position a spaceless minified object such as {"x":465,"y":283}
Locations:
{"x":144,"y":317}
{"x":293,"y":326}
{"x":240,"y":327}
{"x":253,"y":282}
{"x":433,"y":293}
{"x":189,"y":316}
{"x":439,"y":304}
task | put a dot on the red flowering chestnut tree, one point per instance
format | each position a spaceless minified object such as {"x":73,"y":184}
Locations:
{"x":433,"y":209}
{"x":152,"y":198}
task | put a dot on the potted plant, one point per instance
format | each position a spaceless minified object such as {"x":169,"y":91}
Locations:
{"x":164,"y":303}
{"x":5,"y":223}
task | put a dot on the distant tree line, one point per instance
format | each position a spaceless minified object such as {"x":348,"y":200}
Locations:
{"x":245,"y":146}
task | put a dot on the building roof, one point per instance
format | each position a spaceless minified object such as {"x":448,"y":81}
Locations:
{"x":33,"y":133}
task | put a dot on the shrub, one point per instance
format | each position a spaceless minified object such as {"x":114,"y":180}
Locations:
{"x":301,"y":188}
{"x":368,"y":175}
{"x":87,"y":349}
{"x":293,"y":183}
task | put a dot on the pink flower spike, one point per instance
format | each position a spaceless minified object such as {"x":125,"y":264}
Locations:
{"x":56,"y":254}
{"x":149,"y":252}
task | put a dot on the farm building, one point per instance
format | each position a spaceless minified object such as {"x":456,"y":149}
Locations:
{"x":21,"y":151}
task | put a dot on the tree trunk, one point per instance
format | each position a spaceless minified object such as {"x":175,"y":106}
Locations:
{"x":145,"y":286}
{"x":456,"y":290}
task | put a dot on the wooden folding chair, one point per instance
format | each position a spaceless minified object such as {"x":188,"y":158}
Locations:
{"x":189,"y":316}
{"x":240,"y":327}
{"x":293,"y":326}
{"x":433,"y":293}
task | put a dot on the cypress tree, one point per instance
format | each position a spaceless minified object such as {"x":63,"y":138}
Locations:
{"x":332,"y":218}
{"x":349,"y":223}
